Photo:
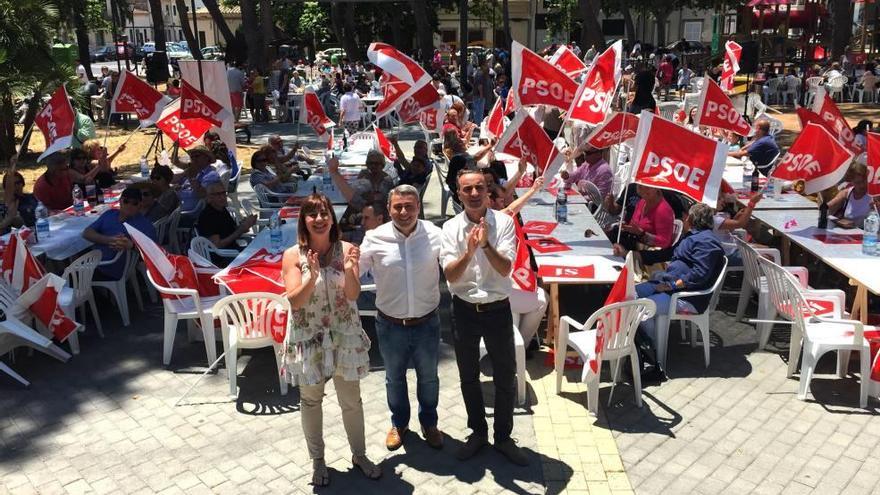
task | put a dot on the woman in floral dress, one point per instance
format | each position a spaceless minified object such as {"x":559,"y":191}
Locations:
{"x":326,"y":339}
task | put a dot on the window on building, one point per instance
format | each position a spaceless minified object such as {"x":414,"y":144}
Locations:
{"x":613,"y":27}
{"x":174,"y":9}
{"x":179,"y":34}
{"x":730,"y":23}
{"x":448,"y":35}
{"x":475,"y":35}
{"x":692,"y":30}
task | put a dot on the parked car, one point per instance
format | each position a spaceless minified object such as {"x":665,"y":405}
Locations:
{"x":176,"y":51}
{"x":212,"y":53}
{"x":690,"y":47}
{"x":103,"y":54}
{"x":149,"y":47}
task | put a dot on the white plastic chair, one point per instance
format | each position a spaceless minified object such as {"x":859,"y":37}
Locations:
{"x":162,"y":226}
{"x":14,"y":334}
{"x":813,"y":84}
{"x":620,"y":321}
{"x":186,"y":304}
{"x":263,"y":214}
{"x":836,"y":86}
{"x":171,"y":242}
{"x":117,"y":287}
{"x":771,"y":90}
{"x":697,"y":84}
{"x":791,"y":88}
{"x":700,"y":319}
{"x":269,"y":199}
{"x":870,"y":87}
{"x":816,"y":335}
{"x":78,"y":292}
{"x":204,"y":248}
{"x":245,"y":323}
{"x":677,"y":228}
{"x":519,"y":347}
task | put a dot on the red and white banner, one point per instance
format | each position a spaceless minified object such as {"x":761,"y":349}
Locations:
{"x":673,"y":157}
{"x":826,"y":109}
{"x":594,"y":96}
{"x":422,"y":99}
{"x":807,"y":116}
{"x":431,"y":119}
{"x":41,"y":299}
{"x":392,"y":60}
{"x":185,"y":132}
{"x":624,"y":289}
{"x":20,"y":268}
{"x":494,"y":123}
{"x":873,"y":163}
{"x":538,"y":82}
{"x":524,"y":138}
{"x":197,"y":105}
{"x":620,"y":127}
{"x":170,"y":270}
{"x":566,"y":60}
{"x":510,"y":105}
{"x":816,"y":158}
{"x":732,"y":54}
{"x":259,"y":273}
{"x":383,"y":144}
{"x":522,"y":274}
{"x":133,"y":95}
{"x":394,"y":91}
{"x":716,"y":110}
{"x":56,"y":121}
{"x":314,"y":115}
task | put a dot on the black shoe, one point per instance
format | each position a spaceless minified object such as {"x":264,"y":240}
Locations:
{"x":653,"y":374}
{"x":471,"y":447}
{"x":513,"y":453}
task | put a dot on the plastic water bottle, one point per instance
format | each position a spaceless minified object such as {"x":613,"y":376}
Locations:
{"x":777,"y":188}
{"x":561,"y":206}
{"x":771,"y":187}
{"x":78,"y":206}
{"x":275,"y":235}
{"x":748,"y":170}
{"x":145,"y":168}
{"x":869,"y":238}
{"x":42,"y":214}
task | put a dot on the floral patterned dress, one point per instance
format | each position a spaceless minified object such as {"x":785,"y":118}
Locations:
{"x":325,"y":337}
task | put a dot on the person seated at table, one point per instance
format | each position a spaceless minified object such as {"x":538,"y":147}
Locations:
{"x":262,"y":174}
{"x":853,"y":203}
{"x":727,"y":220}
{"x":102,"y":161}
{"x":651,"y":225}
{"x":415,"y":171}
{"x":20,"y":208}
{"x":217,"y":225}
{"x":372,"y":184}
{"x":295,"y":154}
{"x":81,"y":169}
{"x":695,"y":265}
{"x":109,"y":234}
{"x":287,"y":162}
{"x":832,"y":72}
{"x":591,"y":167}
{"x":150,"y":208}
{"x":198,"y":174}
{"x":733,"y":140}
{"x":762,"y":150}
{"x":166,"y":199}
{"x":54,"y":187}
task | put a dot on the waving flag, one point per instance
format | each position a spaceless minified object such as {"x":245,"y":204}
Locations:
{"x":313,"y":114}
{"x":431,"y":119}
{"x":673,"y":157}
{"x":405,"y":75}
{"x":383,"y":144}
{"x":732,"y":54}
{"x":394,"y":91}
{"x":184,"y":132}
{"x":807,"y":116}
{"x":716,"y":110}
{"x":134,"y":95}
{"x":259,"y":273}
{"x":624,"y":289}
{"x":494,"y":124}
{"x":56,"y":121}
{"x":20,"y":268}
{"x":816,"y":158}
{"x":538,"y":82}
{"x":825,"y":107}
{"x":41,"y":299}
{"x":620,"y":127}
{"x":418,"y":101}
{"x":197,"y":105}
{"x":566,"y":60}
{"x":524,"y":138}
{"x":594,"y":96}
{"x":522,"y":274}
{"x":873,"y":163}
{"x":510,"y":106}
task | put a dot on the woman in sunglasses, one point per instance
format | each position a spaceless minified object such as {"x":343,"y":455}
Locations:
{"x":19,"y":208}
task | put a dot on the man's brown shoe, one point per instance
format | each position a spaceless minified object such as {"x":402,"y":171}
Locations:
{"x":394,"y":439}
{"x":433,"y":436}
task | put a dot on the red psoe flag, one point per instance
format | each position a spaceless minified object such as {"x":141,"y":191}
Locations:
{"x":538,"y":82}
{"x":383,"y":144}
{"x":826,"y":109}
{"x":732,"y":54}
{"x":56,"y":121}
{"x":594,"y":96}
{"x":624,"y":289}
{"x":873,"y":163}
{"x":431,"y":119}
{"x":185,"y":132}
{"x":134,"y":95}
{"x":522,"y":274}
{"x":314,"y":114}
{"x":495,"y":121}
{"x":197,"y":105}
{"x":524,"y":138}
{"x":394,"y":91}
{"x":673,"y":157}
{"x":816,"y":158}
{"x":716,"y":110}
{"x":418,"y":101}
{"x":620,"y":127}
{"x":510,"y":106}
{"x":566,"y":60}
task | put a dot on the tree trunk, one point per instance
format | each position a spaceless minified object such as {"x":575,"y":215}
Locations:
{"x":220,"y":21}
{"x":505,"y":13}
{"x":661,"y":16}
{"x":395,"y":22}
{"x":82,"y":36}
{"x":424,"y":33}
{"x":268,"y":26}
{"x":591,"y":30}
{"x":7,"y":127}
{"x":350,"y":41}
{"x":841,"y":27}
{"x":186,"y":27}
{"x":34,"y":106}
{"x":250,"y":25}
{"x":628,"y":22}
{"x":336,"y":13}
{"x":158,"y":25}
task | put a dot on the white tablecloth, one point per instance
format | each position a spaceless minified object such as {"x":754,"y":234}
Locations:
{"x":787,"y":201}
{"x":65,"y":235}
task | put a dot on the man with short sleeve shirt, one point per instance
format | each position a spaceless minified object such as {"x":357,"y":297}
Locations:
{"x":402,"y":256}
{"x":762,"y":150}
{"x":476,"y":255}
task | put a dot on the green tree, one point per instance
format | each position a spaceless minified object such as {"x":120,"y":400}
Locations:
{"x":561,"y":18}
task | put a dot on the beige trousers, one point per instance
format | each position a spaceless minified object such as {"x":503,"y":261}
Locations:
{"x":349,"y":395}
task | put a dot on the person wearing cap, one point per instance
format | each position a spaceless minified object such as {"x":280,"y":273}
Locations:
{"x":216,"y":223}
{"x":109,"y":235}
{"x":54,"y":187}
{"x":197,"y":176}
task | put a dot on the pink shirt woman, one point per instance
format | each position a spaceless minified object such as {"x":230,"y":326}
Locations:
{"x":653,"y":218}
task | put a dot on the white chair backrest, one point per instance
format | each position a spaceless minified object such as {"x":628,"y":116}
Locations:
{"x":203,"y":246}
{"x":265,"y":199}
{"x":783,"y":291}
{"x":677,"y":227}
{"x":792,"y":84}
{"x":257,"y":315}
{"x":697,"y":83}
{"x":79,"y":273}
{"x":162,"y":225}
{"x":774,"y":83}
{"x":668,"y":108}
{"x":751,"y":270}
{"x":837,"y":82}
{"x":814,"y":82}
{"x":621,"y":320}
{"x":592,"y":193}
{"x":248,"y":207}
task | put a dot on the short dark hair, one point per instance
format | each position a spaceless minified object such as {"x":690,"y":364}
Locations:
{"x":467,"y":171}
{"x":311,"y":204}
{"x":212,"y":135}
{"x":131,"y":192}
{"x":162,"y":172}
{"x":379,"y":209}
{"x":346,"y":87}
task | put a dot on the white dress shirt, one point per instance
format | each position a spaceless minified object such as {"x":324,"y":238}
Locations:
{"x":480,"y":282}
{"x":350,"y":103}
{"x":406,"y":268}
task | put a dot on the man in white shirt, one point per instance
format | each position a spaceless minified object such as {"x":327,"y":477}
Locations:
{"x":236,"y":80}
{"x":478,"y":247}
{"x":350,"y":109}
{"x":81,"y":72}
{"x":403,"y":257}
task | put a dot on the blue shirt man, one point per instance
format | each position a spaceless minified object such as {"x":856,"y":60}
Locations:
{"x":109,"y":235}
{"x":762,"y":150}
